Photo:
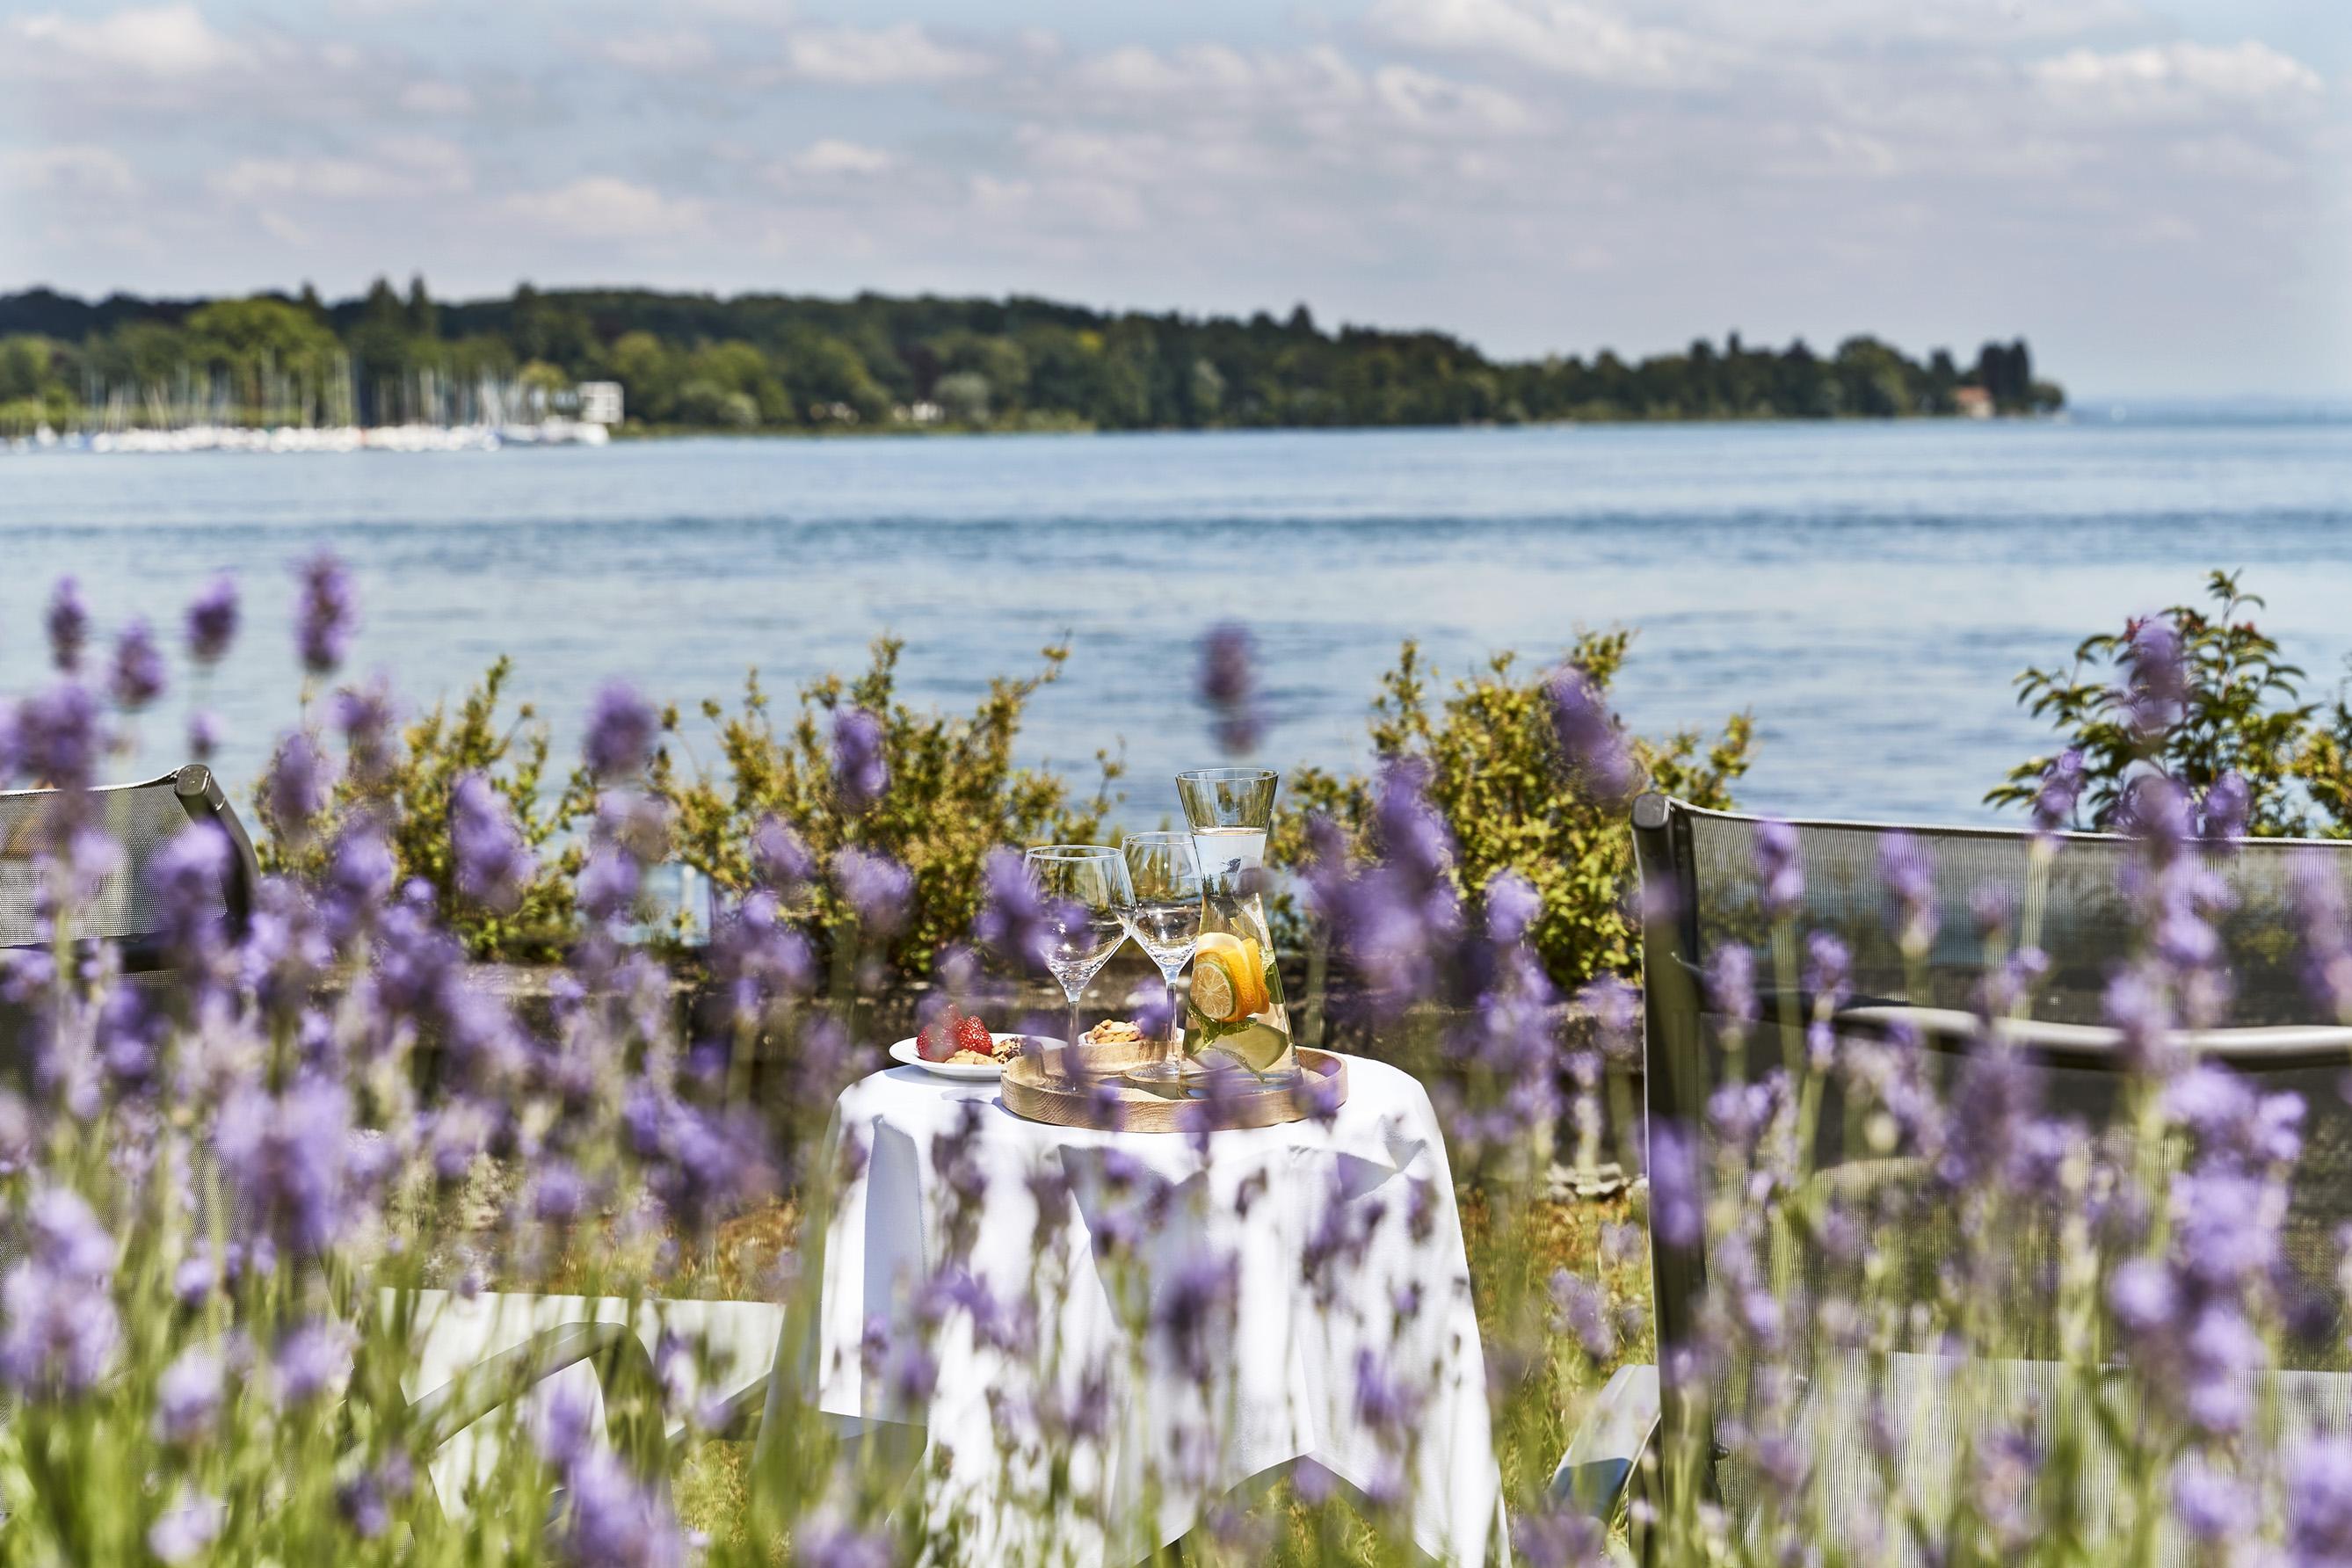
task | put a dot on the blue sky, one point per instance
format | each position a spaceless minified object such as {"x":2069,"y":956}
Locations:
{"x":2153,"y":193}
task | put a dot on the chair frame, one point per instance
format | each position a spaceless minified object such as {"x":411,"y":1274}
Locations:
{"x":1622,"y":1424}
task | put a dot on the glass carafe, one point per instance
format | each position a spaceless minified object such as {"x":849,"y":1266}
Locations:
{"x":1235,"y":1016}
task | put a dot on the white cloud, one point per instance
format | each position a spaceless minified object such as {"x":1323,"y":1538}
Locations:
{"x":72,"y":170}
{"x":435,"y":98}
{"x":662,"y":53}
{"x":393,"y":166}
{"x":862,"y":57}
{"x":1431,"y":102}
{"x":2178,"y":77}
{"x":604,"y":206}
{"x":1564,"y":36}
{"x":164,"y":43}
{"x":830,"y":155}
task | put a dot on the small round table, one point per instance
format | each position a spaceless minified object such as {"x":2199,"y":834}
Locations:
{"x":1173,"y":1316}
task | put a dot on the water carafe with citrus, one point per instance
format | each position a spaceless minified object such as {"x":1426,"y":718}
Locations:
{"x":1236,"y":1018}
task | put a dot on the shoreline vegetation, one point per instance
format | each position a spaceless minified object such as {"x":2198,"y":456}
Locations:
{"x":770,"y":363}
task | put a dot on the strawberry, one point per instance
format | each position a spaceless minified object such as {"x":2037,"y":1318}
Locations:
{"x":937,"y":1042}
{"x":972,"y":1035}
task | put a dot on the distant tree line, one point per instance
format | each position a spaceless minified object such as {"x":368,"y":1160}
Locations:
{"x":773,"y":362}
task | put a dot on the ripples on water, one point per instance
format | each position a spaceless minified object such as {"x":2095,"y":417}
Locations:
{"x":1869,"y":591}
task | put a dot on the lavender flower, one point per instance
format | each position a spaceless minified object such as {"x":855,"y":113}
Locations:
{"x":831,"y":1545}
{"x":610,"y":1519}
{"x":1676,"y":1217}
{"x":61,"y":1330}
{"x":2214,"y":1508}
{"x":212,"y":620}
{"x":1731,"y":983}
{"x":296,"y":787}
{"x":185,"y":1529}
{"x":314,"y":1360}
{"x":621,"y":730}
{"x":1015,"y":918}
{"x":188,"y":1397}
{"x":1908,"y":875}
{"x":1582,"y":1307}
{"x":779,"y":859}
{"x":1591,"y":742}
{"x":494,"y":864}
{"x":2062,"y":787}
{"x":68,"y":625}
{"x":2156,"y":692}
{"x":326,"y":612}
{"x":1512,"y":906}
{"x":1228,"y":685}
{"x":364,"y":715}
{"x":137,"y":677}
{"x":203,"y":734}
{"x":1780,"y":870}
{"x":57,"y":739}
{"x":1194,"y":1314}
{"x":878,"y":889}
{"x":2228,"y":807}
{"x":2319,"y":1504}
{"x":861,"y":771}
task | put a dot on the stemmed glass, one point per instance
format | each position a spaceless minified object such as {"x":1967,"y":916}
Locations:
{"x":1085,"y":888}
{"x":1165,"y":920}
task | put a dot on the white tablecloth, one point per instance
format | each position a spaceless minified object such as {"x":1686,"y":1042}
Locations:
{"x":1351,"y":1341}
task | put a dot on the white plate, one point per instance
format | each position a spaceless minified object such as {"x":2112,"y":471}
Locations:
{"x":904,"y":1052}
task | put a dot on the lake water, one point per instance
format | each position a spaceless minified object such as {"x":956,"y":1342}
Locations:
{"x":1869,"y":591}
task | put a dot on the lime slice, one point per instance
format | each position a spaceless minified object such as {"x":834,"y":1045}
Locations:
{"x":1212,"y":990}
{"x":1258,"y":1046}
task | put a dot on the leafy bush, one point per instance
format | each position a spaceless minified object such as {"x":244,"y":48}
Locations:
{"x":2196,"y":695}
{"x":404,"y":782}
{"x":950,"y":793}
{"x":1493,"y":772}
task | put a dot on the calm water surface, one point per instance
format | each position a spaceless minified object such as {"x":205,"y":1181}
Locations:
{"x":1868,"y":591}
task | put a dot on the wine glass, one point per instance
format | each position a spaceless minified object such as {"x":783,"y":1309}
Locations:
{"x":1085,"y":888}
{"x":1165,"y":921}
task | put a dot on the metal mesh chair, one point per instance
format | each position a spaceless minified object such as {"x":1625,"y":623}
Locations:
{"x":140,"y":819}
{"x":1699,"y":867}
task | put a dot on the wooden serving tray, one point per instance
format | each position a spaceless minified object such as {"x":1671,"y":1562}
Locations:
{"x":1043,"y":1088}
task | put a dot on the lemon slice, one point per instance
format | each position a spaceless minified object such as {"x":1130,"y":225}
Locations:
{"x":1221,"y":978}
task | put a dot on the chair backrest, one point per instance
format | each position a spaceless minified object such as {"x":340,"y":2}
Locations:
{"x":1699,"y":870}
{"x":140,"y":819}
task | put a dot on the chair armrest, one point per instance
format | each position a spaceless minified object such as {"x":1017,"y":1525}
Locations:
{"x":1608,"y":1443}
{"x":633,"y":1404}
{"x":2258,"y":1045}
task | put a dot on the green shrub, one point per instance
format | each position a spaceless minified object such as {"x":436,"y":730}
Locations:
{"x":954,"y":793}
{"x":1494,"y":772}
{"x":411,"y":793}
{"x":2243,"y":713}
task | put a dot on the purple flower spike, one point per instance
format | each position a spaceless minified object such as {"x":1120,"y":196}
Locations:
{"x":779,"y":859}
{"x":877,"y":888}
{"x":188,"y":1397}
{"x":1676,"y":1217}
{"x":1014,"y":919}
{"x":1908,"y":874}
{"x":1731,"y":983}
{"x":68,"y":625}
{"x":2062,"y":787}
{"x":326,"y":613}
{"x":297,"y":786}
{"x":137,"y":678}
{"x":212,"y":621}
{"x":2157,"y":685}
{"x":1780,"y":869}
{"x":1591,"y":742}
{"x":57,"y":738}
{"x":1512,"y":906}
{"x":861,"y":773}
{"x":621,"y":729}
{"x":494,"y":864}
{"x":1228,"y":685}
{"x":2319,"y":1504}
{"x":2228,"y":807}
